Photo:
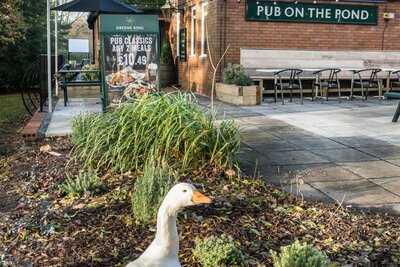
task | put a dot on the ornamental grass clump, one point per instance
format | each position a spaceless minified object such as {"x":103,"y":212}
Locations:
{"x":150,"y":190}
{"x":218,"y":252}
{"x":84,"y":183}
{"x":300,"y":255}
{"x":168,"y":128}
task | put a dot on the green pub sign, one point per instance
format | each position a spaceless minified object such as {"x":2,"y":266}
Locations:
{"x":265,"y":10}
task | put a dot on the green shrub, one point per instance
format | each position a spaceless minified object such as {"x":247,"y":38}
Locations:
{"x":168,"y":128}
{"x":90,"y":76}
{"x":166,"y":54}
{"x":300,"y":255}
{"x":218,"y":251}
{"x":234,"y":74}
{"x":150,"y":190}
{"x":83,"y":183}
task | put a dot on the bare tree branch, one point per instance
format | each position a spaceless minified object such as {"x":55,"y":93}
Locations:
{"x":214,"y":67}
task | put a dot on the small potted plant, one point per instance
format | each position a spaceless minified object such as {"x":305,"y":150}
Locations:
{"x":237,"y":88}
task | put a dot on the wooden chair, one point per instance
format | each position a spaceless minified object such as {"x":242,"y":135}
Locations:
{"x":288,"y":79}
{"x":370,"y":80}
{"x":326,"y":79}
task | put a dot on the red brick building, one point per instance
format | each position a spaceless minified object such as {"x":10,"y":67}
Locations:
{"x":229,"y":24}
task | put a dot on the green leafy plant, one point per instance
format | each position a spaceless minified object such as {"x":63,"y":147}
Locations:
{"x":234,"y":74}
{"x":218,"y":252}
{"x":168,"y":128}
{"x":83,"y":183}
{"x":90,"y":76}
{"x":166,"y":54}
{"x":147,"y":3}
{"x":300,"y":255}
{"x":150,"y":190}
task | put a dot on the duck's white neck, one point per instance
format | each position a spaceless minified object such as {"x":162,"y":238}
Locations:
{"x":167,"y":232}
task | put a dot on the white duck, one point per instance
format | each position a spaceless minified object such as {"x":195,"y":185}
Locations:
{"x":163,"y":251}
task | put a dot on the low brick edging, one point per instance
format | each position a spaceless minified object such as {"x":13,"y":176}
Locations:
{"x":31,"y":129}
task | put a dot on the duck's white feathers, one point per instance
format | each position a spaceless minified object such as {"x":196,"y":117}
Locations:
{"x":163,"y":251}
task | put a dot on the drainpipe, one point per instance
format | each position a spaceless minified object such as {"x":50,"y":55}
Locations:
{"x":225,"y":19}
{"x":222,"y":23}
{"x":386,"y":22}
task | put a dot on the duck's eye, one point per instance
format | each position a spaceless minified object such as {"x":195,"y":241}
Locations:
{"x":184,"y":190}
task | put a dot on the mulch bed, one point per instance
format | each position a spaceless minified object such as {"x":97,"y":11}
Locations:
{"x":41,"y":227}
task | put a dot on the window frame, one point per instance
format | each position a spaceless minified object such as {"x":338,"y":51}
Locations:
{"x":193,"y":22}
{"x":204,"y":14}
{"x":178,"y":29}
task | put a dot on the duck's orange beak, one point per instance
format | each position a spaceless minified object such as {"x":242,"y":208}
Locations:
{"x":199,"y":198}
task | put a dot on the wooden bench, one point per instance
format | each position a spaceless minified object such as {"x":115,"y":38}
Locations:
{"x":65,"y":85}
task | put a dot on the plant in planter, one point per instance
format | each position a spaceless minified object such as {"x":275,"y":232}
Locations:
{"x":237,"y":87}
{"x":234,"y":74}
{"x":90,"y":76}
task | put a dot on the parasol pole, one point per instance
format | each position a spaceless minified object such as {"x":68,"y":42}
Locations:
{"x":56,"y":48}
{"x":49,"y":58}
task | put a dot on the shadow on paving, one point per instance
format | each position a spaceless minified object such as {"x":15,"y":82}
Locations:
{"x":357,"y":171}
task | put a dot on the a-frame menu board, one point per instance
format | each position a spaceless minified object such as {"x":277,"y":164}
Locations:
{"x":129,"y":47}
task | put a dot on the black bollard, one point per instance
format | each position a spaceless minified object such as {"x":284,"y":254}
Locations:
{"x":396,"y":114}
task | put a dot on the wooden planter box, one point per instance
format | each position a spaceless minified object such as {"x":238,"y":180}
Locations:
{"x":239,"y":95}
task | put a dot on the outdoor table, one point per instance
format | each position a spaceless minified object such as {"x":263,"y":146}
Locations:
{"x":65,"y":83}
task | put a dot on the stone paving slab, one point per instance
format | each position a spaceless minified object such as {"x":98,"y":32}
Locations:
{"x":373,"y":169}
{"x":394,"y":161}
{"x":316,"y":143}
{"x":361,"y":192}
{"x":383,"y":152}
{"x":294,"y":157}
{"x":326,"y":173}
{"x":344,"y":155}
{"x":390,"y":184}
{"x":341,"y":152}
{"x":268,"y":145}
{"x":361,"y":141}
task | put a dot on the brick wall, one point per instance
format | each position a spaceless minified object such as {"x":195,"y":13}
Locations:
{"x":196,"y":73}
{"x":227,"y":25}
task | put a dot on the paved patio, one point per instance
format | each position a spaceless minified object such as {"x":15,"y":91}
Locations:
{"x":61,"y":119}
{"x":346,"y":152}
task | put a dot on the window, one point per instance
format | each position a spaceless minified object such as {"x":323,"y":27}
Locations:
{"x":178,"y":28}
{"x":204,"y":13}
{"x":193,"y":37}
